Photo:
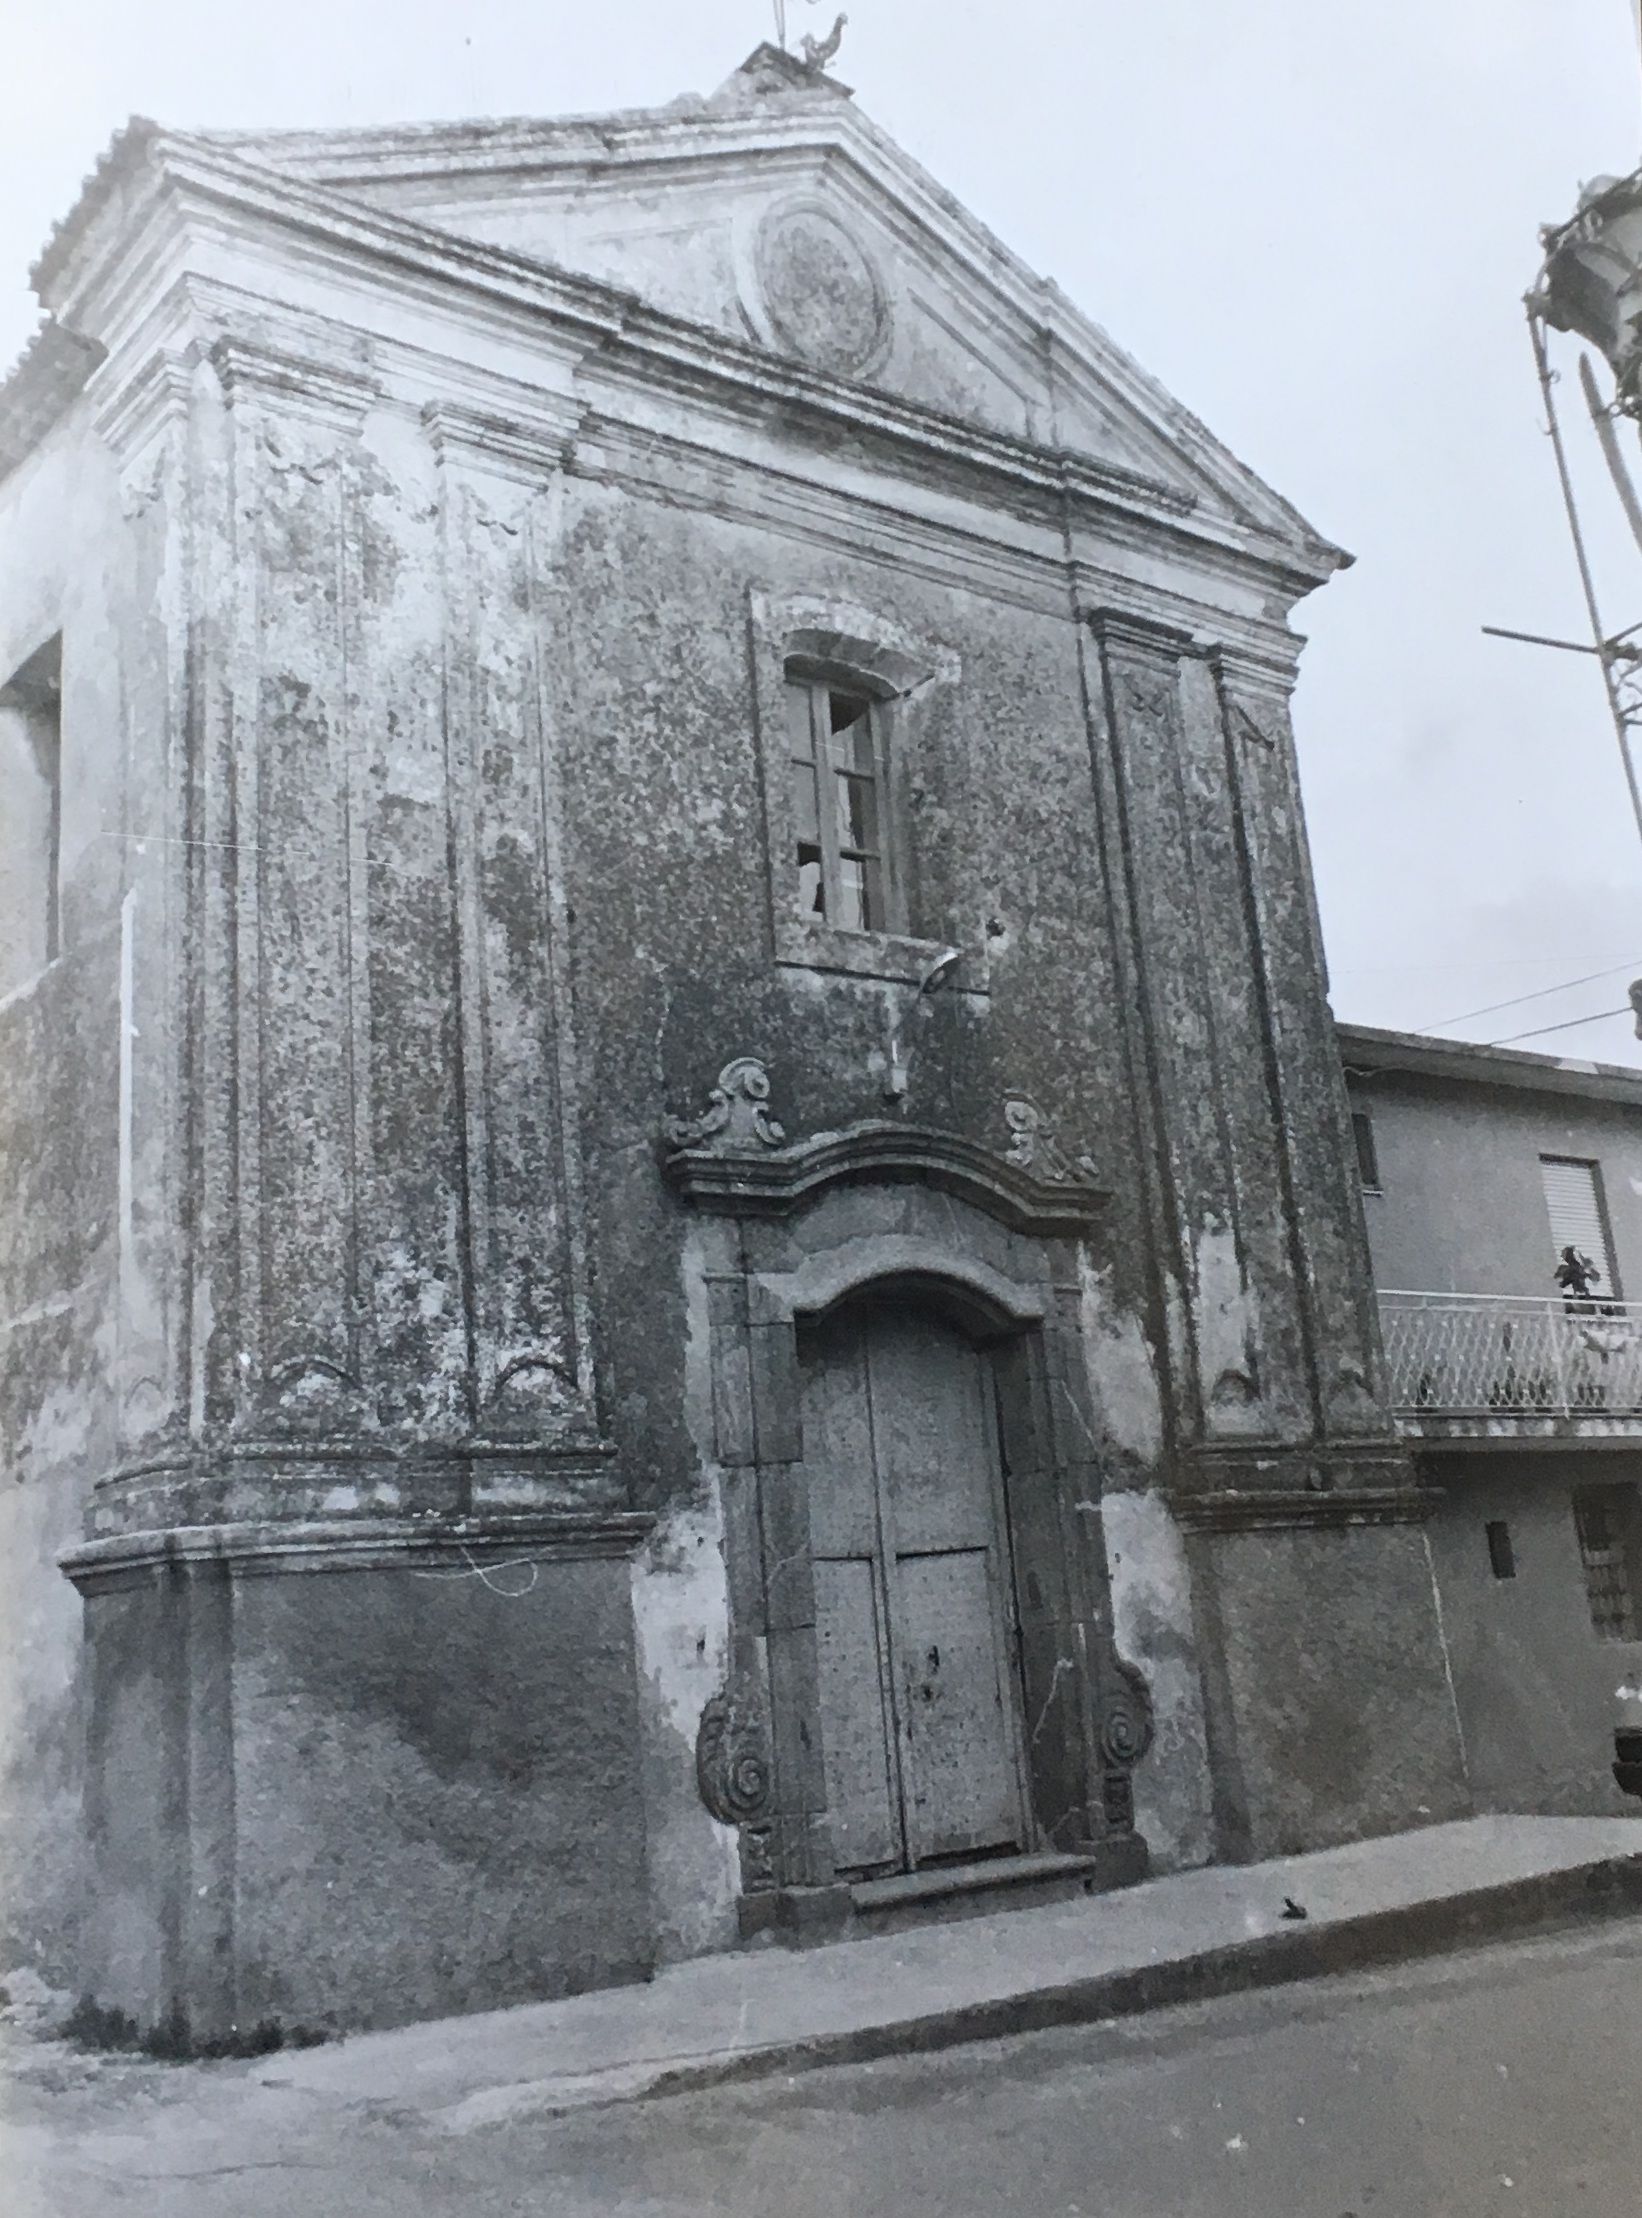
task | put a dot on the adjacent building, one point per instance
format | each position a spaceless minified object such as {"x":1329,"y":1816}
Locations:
{"x":1521,"y":1398}
{"x":681,"y":1255}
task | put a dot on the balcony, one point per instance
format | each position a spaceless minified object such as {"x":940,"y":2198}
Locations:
{"x":1513,"y":1367}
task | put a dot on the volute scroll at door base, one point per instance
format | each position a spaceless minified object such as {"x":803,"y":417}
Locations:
{"x":733,"y":1760}
{"x":1126,"y":1730}
{"x":1126,"y":1724}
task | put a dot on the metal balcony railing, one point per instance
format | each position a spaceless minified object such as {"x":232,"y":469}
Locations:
{"x":1511,"y":1356}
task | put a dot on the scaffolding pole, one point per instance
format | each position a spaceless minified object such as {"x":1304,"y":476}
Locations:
{"x":1620,"y":662}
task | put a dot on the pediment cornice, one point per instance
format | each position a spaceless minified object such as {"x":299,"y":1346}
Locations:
{"x":156,"y":182}
{"x":746,"y":1179}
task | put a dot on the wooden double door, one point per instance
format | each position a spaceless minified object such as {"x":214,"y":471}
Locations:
{"x":919,"y":1708}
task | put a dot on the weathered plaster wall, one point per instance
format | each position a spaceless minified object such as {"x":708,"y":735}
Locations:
{"x":681,"y":1622}
{"x":66,"y":564}
{"x":1535,"y":1681}
{"x":361,"y":1795}
{"x":1154,"y":1624}
{"x":437,"y":1796}
{"x":670,"y":885}
{"x":1339,"y":1718}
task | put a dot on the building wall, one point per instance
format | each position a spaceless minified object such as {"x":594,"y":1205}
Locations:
{"x":448,"y":655}
{"x":1460,"y":1207}
{"x":1535,"y":1681}
{"x":69,"y":562}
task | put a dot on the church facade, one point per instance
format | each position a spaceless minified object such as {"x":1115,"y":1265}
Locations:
{"x":682,"y":1258}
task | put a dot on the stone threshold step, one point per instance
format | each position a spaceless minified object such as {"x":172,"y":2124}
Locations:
{"x":856,"y":1908}
{"x":993,"y":1883}
{"x":962,"y":1879}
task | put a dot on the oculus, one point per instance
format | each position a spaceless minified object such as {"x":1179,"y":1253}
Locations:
{"x":820,"y":292}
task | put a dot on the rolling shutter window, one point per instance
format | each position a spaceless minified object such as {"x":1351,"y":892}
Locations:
{"x":1573,"y":1201}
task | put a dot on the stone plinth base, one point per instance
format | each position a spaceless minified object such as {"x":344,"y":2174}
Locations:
{"x":351,"y":1775}
{"x":1329,"y":1706}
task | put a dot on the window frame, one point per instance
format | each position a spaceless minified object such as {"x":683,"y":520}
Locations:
{"x":32,"y":696}
{"x":1617,"y":1506}
{"x":1608,"y":1261}
{"x":883,"y":889}
{"x":1502,"y":1552}
{"x":1367,"y":1151}
{"x":909,"y":683}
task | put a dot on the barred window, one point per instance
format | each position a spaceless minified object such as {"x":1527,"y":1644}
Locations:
{"x":1607,"y":1520}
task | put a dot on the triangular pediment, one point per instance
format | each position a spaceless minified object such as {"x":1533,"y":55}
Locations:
{"x":776,"y":213}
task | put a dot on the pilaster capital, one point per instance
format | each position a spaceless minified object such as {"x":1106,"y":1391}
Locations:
{"x":331,"y":394}
{"x":524,"y":448}
{"x":144,"y":406}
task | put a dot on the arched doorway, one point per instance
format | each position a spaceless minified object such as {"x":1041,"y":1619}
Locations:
{"x":917,"y":1674}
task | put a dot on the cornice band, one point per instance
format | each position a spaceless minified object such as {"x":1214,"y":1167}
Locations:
{"x":447,"y":1545}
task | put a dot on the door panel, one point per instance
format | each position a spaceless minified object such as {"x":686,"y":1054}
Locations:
{"x":856,"y":1736}
{"x":838,"y":1444}
{"x":931,"y":1437}
{"x":918,"y":1713}
{"x":963,"y":1787}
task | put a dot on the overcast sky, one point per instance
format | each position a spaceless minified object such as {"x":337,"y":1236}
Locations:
{"x":1314,"y":220}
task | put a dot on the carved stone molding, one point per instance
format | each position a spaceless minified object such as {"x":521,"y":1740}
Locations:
{"x":1121,"y":629}
{"x":145,"y":407}
{"x":1033,"y":1147}
{"x":1286,"y":1509}
{"x":733,"y":1770}
{"x":779,"y":1180}
{"x":526,"y":448}
{"x":815,"y":291}
{"x":1126,"y":1722}
{"x":300,"y":1480}
{"x":325,"y":393}
{"x":456,"y":1545}
{"x":736,"y":1119}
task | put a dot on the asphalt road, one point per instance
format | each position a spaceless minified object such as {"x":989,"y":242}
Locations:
{"x":1507,"y":2081}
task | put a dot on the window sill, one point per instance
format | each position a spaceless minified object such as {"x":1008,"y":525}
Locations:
{"x":801,"y":945}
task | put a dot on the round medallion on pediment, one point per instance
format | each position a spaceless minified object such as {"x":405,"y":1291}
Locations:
{"x":820,"y":290}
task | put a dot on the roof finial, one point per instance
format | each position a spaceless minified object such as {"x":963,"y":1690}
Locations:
{"x":818,"y":52}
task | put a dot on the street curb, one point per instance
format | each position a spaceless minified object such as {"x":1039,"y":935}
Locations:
{"x":1582,"y":1893}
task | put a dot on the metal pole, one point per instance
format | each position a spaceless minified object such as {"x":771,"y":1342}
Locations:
{"x":1609,"y":441}
{"x":1621,"y":722}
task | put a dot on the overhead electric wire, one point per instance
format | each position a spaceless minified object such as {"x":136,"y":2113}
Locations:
{"x":1539,"y":994}
{"x":1596,"y":1016}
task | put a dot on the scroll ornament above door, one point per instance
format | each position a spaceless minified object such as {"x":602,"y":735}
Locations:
{"x":735,"y":1157}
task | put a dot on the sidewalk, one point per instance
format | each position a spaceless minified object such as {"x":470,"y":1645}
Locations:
{"x":385,"y":2123}
{"x":1168,"y":1940}
{"x":771,"y":2010}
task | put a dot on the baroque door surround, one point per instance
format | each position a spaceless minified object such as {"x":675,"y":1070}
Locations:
{"x":789,"y":1232}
